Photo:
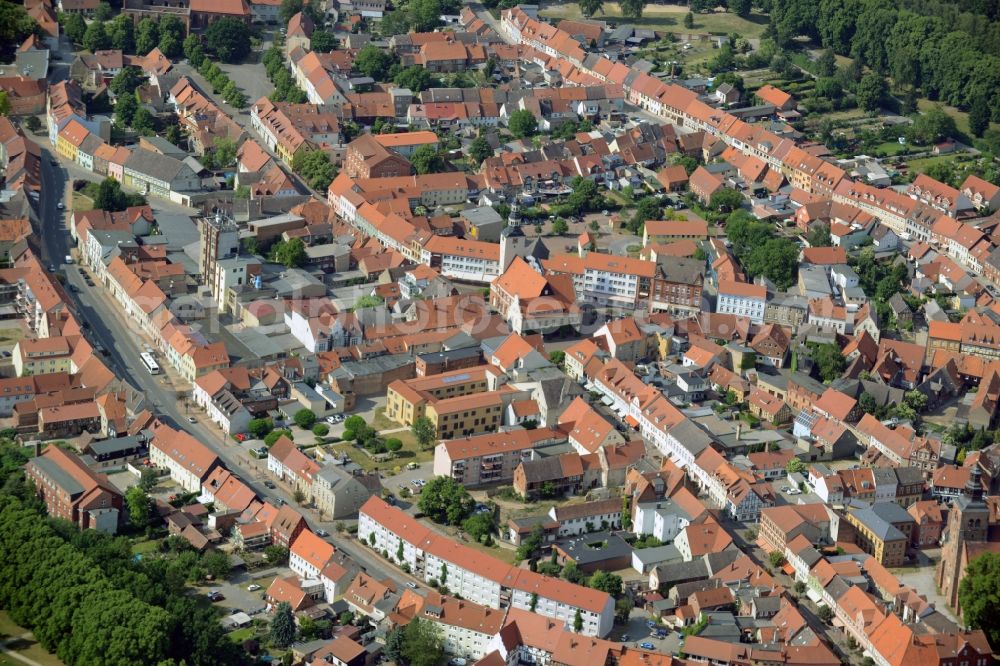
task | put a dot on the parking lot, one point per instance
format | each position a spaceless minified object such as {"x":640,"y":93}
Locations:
{"x":637,"y":632}
{"x":236,"y":595}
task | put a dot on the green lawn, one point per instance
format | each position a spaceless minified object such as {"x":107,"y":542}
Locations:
{"x":144,"y":547}
{"x":890,"y":148}
{"x":961,"y":117}
{"x":666,"y":18}
{"x":383,"y":422}
{"x":409,"y":453}
{"x":921,"y":165}
{"x":10,"y":335}
{"x":82,"y":202}
{"x":241,"y":635}
{"x":25,"y":647}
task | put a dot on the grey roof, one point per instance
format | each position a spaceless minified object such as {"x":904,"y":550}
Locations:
{"x":892,"y":512}
{"x":718,"y":561}
{"x":337,"y":478}
{"x":58,"y":475}
{"x":595,"y":547}
{"x":371,"y":366}
{"x":327,"y":250}
{"x":670,"y":574}
{"x":154,"y":165}
{"x":810,"y":556}
{"x":908,"y":475}
{"x":482,"y":216}
{"x":807,"y":382}
{"x":884,"y":476}
{"x":450,"y":355}
{"x":528,"y":522}
{"x":878,"y":524}
{"x":165,"y":147}
{"x":898,"y":305}
{"x":117,"y":444}
{"x":837,"y":587}
{"x":683,"y":270}
{"x":727,"y":633}
{"x":90,"y":144}
{"x":691,"y":437}
{"x":768,"y":604}
{"x":543,"y":469}
{"x":658,"y":554}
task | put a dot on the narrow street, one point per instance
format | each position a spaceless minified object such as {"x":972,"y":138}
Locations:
{"x":123,"y":344}
{"x":835,"y":638}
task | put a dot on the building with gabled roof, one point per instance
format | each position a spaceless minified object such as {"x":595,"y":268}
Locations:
{"x":288,"y":463}
{"x":478,"y":577}
{"x":309,"y":554}
{"x":71,"y":491}
{"x":189,"y":461}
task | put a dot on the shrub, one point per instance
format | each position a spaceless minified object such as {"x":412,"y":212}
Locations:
{"x":274,"y":435}
{"x":321,"y":429}
{"x":304,"y":418}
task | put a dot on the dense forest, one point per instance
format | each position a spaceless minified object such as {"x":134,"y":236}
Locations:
{"x":948,"y":50}
{"x":88,"y":599}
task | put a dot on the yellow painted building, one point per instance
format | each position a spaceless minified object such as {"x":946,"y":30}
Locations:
{"x":884,"y":540}
{"x":70,"y":138}
{"x":408,"y":399}
{"x":466,"y":415}
{"x":42,"y":356}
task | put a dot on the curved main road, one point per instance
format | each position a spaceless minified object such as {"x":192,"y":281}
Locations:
{"x":123,"y":345}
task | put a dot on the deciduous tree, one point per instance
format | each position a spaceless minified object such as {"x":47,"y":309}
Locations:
{"x":522,"y":123}
{"x":374,"y":62}
{"x":290,"y":253}
{"x":871,"y":91}
{"x":979,"y":116}
{"x":632,"y":9}
{"x":229,"y":39}
{"x":425,"y":432}
{"x":96,"y":37}
{"x":480,"y":150}
{"x":74,"y":26}
{"x":446,"y":501}
{"x":147,"y":36}
{"x":304,"y":418}
{"x":423,"y":644}
{"x":139,"y":507}
{"x":590,"y":7}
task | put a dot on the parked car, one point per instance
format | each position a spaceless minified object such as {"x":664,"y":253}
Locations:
{"x":270,"y":484}
{"x":215,"y":596}
{"x":646,"y":646}
{"x":253,"y":587}
{"x":322,"y":533}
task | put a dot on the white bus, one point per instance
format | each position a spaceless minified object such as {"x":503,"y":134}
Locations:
{"x":150,"y":363}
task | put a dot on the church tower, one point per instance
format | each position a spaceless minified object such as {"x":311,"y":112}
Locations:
{"x":512,"y":240}
{"x":968,"y":521}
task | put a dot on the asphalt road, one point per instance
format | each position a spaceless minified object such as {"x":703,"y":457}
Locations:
{"x":123,"y":345}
